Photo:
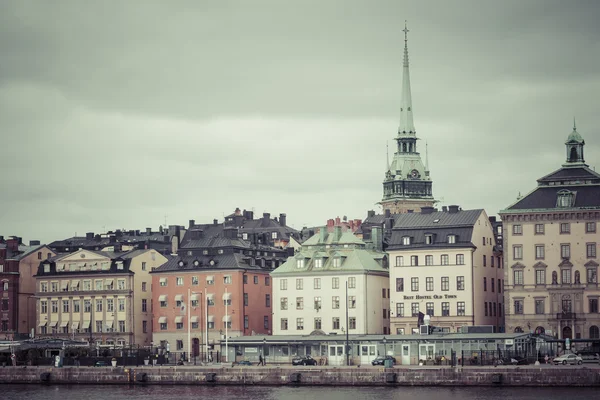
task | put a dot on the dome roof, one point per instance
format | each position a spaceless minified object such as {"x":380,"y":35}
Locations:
{"x":575,"y":137}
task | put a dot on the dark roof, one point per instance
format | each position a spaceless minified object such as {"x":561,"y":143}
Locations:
{"x":262,"y":225}
{"x":221,"y":261}
{"x":437,"y":219}
{"x":581,"y":173}
{"x":440,"y":238}
{"x":210,"y":236}
{"x":544,"y":197}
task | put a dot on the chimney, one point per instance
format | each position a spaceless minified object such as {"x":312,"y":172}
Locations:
{"x":376,"y":237}
{"x":148,"y":231}
{"x":492,"y":219}
{"x":266,"y":219}
{"x":388,"y":213}
{"x":137,"y":232}
{"x":238,"y":218}
{"x":34,"y":242}
{"x":250,"y":215}
{"x":97,"y":238}
{"x":192,"y":223}
{"x":330,"y":222}
{"x":282,"y":219}
{"x":112,"y":239}
{"x":322,"y":234}
{"x":215,"y":222}
{"x":238,"y":211}
{"x":370,"y":213}
{"x":444,"y":209}
{"x":1,"y":239}
{"x":89,"y":235}
{"x":427,"y":210}
{"x":337,"y":232}
{"x":12,"y":243}
{"x":453,"y":209}
{"x":409,"y":211}
{"x":337,"y":220}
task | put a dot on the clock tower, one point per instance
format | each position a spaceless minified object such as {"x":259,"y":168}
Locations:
{"x":407,"y":184}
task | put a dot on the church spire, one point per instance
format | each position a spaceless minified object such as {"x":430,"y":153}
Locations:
{"x":407,"y":125}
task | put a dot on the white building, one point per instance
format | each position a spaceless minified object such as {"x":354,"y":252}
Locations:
{"x":309,"y":289}
{"x":445,"y":264}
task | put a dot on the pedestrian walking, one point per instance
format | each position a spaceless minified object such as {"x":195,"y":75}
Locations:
{"x":261,"y":360}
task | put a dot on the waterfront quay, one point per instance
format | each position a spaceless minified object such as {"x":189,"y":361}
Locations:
{"x":530,"y":375}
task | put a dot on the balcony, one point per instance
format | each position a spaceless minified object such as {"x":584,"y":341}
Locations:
{"x":566,"y":315}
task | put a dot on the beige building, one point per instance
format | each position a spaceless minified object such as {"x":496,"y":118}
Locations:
{"x":445,"y":265}
{"x":550,"y":239}
{"x":102,"y":297}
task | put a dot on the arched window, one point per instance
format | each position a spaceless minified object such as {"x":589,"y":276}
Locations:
{"x":518,"y":329}
{"x":577,"y":278}
{"x":540,"y":330}
{"x":594,"y":332}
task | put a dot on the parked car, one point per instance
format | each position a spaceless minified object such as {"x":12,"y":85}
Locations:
{"x":381,"y":360}
{"x":304,"y":360}
{"x":244,"y":362}
{"x":100,"y":363}
{"x":568,"y":359}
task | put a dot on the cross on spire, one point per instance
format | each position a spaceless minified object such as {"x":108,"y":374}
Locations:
{"x":405,"y":30}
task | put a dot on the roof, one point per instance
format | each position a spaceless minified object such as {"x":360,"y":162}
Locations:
{"x":545,"y":197}
{"x":437,"y":219}
{"x":439,"y":239}
{"x":25,"y":251}
{"x":333,"y":238}
{"x":577,"y":173}
{"x":210,"y":235}
{"x":221,"y":261}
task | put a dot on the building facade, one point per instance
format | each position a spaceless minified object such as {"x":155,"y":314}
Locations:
{"x":445,"y":264}
{"x":551,"y":265}
{"x":407,"y":185}
{"x":334,"y":284}
{"x":102,"y":297}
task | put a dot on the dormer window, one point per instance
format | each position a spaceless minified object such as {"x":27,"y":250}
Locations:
{"x":245,"y":236}
{"x":337,"y":262}
{"x":565,"y":199}
{"x":429,"y":239}
{"x":119,"y":265}
{"x":273,"y":235}
{"x":406,"y":240}
{"x":300,"y":263}
{"x":205,"y":252}
{"x":319,"y":263}
{"x":46,"y":267}
{"x":451,"y":239}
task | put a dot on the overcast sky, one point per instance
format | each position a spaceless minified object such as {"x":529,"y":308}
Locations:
{"x":121,"y":114}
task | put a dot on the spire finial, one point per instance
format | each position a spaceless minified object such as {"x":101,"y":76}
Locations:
{"x":405,"y":30}
{"x":574,"y":124}
{"x":387,"y":156}
{"x":426,"y":157}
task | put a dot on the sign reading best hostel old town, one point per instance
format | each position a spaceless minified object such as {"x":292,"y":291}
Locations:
{"x":431,"y":297}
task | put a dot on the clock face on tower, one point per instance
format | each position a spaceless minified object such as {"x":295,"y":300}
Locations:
{"x":414,"y":174}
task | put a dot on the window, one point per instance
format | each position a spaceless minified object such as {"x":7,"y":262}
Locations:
{"x":484,"y":260}
{"x":518,"y":277}
{"x":121,"y":305}
{"x":283,"y":284}
{"x":444,"y":259}
{"x":283,"y":303}
{"x":539,"y":252}
{"x":317,"y":324}
{"x":352,"y":282}
{"x":484,"y":284}
{"x":299,"y":284}
{"x":445,"y":283}
{"x":299,"y":303}
{"x":460,"y":259}
{"x":335,"y":302}
{"x":76,"y":306}
{"x":451,"y":239}
{"x":518,"y":252}
{"x":399,"y":331}
{"x":335,"y":322}
{"x":592,"y":275}
{"x":317,"y":283}
{"x":539,"y":306}
{"x":565,"y":251}
{"x":539,"y":229}
{"x":352,"y":322}
{"x":565,"y":227}
{"x":399,"y":284}
{"x":65,"y":306}
{"x":300,"y":263}
{"x":246,"y":301}
{"x":337,"y":262}
{"x":414,"y":309}
{"x":399,"y":261}
{"x":518,"y":306}
{"x":399,"y":309}
{"x":565,"y":275}
{"x":429,"y":284}
{"x":335,"y":283}
{"x":110,"y":305}
{"x":493,"y":285}
{"x":492,"y":262}
{"x":284,"y":324}
{"x":429,"y":309}
{"x":406,"y":240}
{"x":485,"y":304}
{"x":517,"y":229}
{"x":266,"y":323}
{"x":590,"y":227}
{"x":414,"y":260}
{"x":591,"y":250}
{"x":246,"y":276}
{"x":351,"y":301}
{"x":318,"y":263}
{"x":267,"y":281}
{"x":163,"y":282}
{"x":445,"y":309}
{"x":593,"y":303}
{"x":428,"y":239}
{"x":460,"y":308}
{"x":179,"y":281}
{"x":87,"y":306}
{"x":267,"y":300}
{"x":98,"y":305}
{"x":256,"y":280}
{"x":317,"y":303}
{"x":460,"y":283}
{"x":227,"y":279}
{"x":414,"y":284}
{"x":428,"y":260}
{"x":210,"y":280}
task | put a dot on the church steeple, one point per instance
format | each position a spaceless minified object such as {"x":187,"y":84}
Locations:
{"x":407,"y":125}
{"x":574,"y":145}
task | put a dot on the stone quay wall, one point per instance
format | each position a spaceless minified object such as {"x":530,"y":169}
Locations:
{"x":317,"y":376}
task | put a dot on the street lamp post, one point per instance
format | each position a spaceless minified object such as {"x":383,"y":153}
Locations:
{"x":384,"y":346}
{"x":264,"y":352}
{"x":226,"y":330}
{"x":347,"y":328}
